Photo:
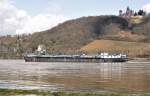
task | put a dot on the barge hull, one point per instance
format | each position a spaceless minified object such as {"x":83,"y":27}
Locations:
{"x":69,"y":59}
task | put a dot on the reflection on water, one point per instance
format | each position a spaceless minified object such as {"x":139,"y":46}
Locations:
{"x":119,"y":77}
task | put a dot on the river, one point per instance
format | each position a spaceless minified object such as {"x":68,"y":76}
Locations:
{"x":84,"y":77}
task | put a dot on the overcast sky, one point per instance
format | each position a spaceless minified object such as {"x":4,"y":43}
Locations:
{"x":28,"y":16}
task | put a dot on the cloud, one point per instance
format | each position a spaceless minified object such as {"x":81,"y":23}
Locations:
{"x":17,"y":21}
{"x":40,"y":22}
{"x":146,"y":7}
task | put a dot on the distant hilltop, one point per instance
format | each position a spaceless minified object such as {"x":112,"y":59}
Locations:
{"x":131,"y":13}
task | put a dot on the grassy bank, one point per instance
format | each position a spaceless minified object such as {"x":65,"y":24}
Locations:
{"x":133,"y":49}
{"x":14,"y":92}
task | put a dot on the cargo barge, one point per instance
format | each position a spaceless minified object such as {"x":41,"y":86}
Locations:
{"x":103,"y":57}
{"x":41,"y":56}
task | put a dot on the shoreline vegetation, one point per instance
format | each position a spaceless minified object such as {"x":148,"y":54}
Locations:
{"x":17,"y":92}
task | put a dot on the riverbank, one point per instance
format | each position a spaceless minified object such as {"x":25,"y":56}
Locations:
{"x":14,"y":92}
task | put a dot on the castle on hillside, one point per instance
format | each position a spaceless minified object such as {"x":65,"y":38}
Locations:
{"x":130,"y":13}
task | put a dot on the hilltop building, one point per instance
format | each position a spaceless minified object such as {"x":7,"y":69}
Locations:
{"x":127,"y":13}
{"x":131,"y":13}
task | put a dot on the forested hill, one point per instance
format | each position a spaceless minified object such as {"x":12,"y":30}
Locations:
{"x":72,"y":35}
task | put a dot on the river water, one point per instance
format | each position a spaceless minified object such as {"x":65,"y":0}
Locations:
{"x":84,"y":77}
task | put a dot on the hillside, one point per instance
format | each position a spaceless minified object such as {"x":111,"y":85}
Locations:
{"x":72,"y":35}
{"x":143,"y":29}
{"x":132,"y":48}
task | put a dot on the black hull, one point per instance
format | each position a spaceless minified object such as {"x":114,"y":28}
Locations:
{"x":69,"y":59}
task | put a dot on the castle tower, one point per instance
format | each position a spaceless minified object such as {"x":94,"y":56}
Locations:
{"x":128,"y":11}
